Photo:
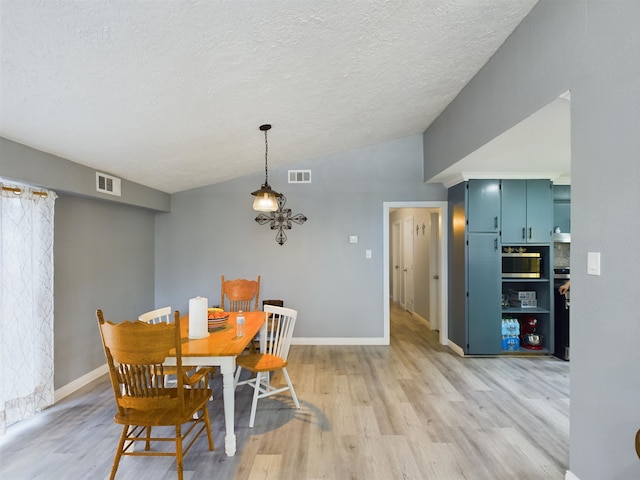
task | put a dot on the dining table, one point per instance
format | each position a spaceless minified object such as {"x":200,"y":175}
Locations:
{"x":219,"y":349}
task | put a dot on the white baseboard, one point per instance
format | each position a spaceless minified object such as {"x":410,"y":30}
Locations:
{"x":423,"y":319}
{"x":78,"y":383}
{"x":338,"y":341}
{"x":570,"y":476}
{"x":455,"y":348}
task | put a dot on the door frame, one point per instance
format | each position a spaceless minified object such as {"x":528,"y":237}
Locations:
{"x":442,"y":206}
{"x":408,"y":276}
{"x":395,"y":261}
{"x":435,"y":275}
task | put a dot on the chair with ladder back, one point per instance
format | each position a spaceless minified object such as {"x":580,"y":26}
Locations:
{"x":135,"y":353}
{"x":274,"y":352}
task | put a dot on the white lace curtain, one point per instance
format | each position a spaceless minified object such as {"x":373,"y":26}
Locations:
{"x":26,"y":302}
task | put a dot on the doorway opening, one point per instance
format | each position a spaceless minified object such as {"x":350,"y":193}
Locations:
{"x":425,"y":294}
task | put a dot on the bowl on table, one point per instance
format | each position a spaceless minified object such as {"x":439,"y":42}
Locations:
{"x":216,"y":317}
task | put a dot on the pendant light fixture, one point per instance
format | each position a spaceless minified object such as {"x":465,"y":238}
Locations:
{"x":266,"y":199}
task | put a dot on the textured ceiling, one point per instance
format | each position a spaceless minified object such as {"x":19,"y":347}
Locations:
{"x":170,"y":93}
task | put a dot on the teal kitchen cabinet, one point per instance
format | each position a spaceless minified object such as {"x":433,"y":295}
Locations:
{"x":474,"y":267}
{"x":527,"y":211}
{"x":483,"y":297}
{"x":483,"y":206}
{"x":482,"y":215}
{"x":562,"y":208}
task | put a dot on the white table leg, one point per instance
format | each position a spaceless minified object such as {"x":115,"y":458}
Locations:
{"x":227,"y":368}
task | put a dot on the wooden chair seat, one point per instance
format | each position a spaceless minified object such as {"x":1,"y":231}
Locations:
{"x":256,"y":362}
{"x":163,"y":417}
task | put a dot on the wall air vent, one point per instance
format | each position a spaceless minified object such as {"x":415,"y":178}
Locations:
{"x":107,"y":184}
{"x":299,"y":176}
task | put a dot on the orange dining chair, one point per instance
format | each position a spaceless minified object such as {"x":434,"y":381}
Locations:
{"x":135,"y":353}
{"x":273,"y":355}
{"x":240,"y":294}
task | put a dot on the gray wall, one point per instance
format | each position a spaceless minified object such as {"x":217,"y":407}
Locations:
{"x":103,"y":258}
{"x":34,"y":167}
{"x":211,"y":231}
{"x":103,"y":252}
{"x":591,"y":48}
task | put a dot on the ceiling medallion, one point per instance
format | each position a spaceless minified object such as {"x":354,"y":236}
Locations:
{"x":281,"y":219}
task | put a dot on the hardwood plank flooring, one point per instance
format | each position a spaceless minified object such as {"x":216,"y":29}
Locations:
{"x":411,"y":410}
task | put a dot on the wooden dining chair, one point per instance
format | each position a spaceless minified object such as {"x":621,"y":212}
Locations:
{"x":135,"y":353}
{"x":159,"y":315}
{"x":254,"y":346}
{"x":240,"y":294}
{"x":273,"y":357}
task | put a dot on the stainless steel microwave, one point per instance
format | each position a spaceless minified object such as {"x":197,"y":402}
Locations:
{"x":521,"y":265}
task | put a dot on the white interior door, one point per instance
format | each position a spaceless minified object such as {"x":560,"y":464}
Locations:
{"x":396,"y":261}
{"x":407,"y":267}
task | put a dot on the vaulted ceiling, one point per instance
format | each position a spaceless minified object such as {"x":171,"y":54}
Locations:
{"x":170,"y":93}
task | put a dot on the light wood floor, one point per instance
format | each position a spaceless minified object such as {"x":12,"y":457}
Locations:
{"x":413,"y":410}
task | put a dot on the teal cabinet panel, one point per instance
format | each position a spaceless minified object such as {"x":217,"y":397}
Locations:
{"x":483,"y":294}
{"x":539,"y":211}
{"x":527,"y":211}
{"x":483,"y":206}
{"x":514,"y":211}
{"x":457,"y":268}
{"x":562,"y":217}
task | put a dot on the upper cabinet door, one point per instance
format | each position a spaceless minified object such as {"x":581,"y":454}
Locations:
{"x":539,"y":211}
{"x":527,"y":211}
{"x":514,"y":211}
{"x":483,"y":206}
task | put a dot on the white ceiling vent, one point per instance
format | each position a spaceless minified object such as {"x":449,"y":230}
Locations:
{"x":107,"y":184}
{"x":299,"y":176}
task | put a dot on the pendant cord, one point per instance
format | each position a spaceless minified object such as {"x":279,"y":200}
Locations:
{"x":266,"y":150}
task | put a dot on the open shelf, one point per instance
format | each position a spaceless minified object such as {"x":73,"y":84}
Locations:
{"x":517,"y":311}
{"x":526,"y":351}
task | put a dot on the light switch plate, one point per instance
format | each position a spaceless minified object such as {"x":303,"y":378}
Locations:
{"x":367,"y":254}
{"x":593,"y":263}
{"x":353,"y":238}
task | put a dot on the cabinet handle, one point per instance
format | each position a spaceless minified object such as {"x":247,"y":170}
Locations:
{"x":524,"y":233}
{"x":495,"y":222}
{"x":530,"y":236}
{"x":495,"y":244}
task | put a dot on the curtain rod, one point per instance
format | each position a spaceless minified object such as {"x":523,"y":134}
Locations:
{"x":18,"y":191}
